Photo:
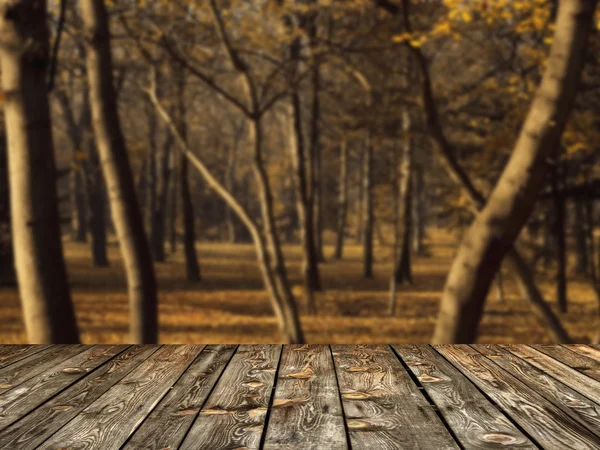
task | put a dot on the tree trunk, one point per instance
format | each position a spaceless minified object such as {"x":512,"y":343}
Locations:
{"x":403,"y":269}
{"x":79,"y":220}
{"x":593,"y":261}
{"x":558,"y":230}
{"x":342,"y":201}
{"x":419,"y":210}
{"x":39,"y":261}
{"x":192,"y":267}
{"x":368,"y":217}
{"x":579,"y":231}
{"x":230,"y":185}
{"x":497,"y":226}
{"x":310,"y":263}
{"x":7,"y":267}
{"x":173,"y":196}
{"x":152,"y":175}
{"x":316,"y":154}
{"x":118,"y":176}
{"x":159,"y":216}
{"x":360,"y":202}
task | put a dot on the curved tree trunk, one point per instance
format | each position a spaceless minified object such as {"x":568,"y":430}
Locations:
{"x":497,"y":226}
{"x":126,"y":214}
{"x":39,"y":261}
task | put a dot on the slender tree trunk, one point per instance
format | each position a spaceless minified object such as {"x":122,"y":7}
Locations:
{"x":230,"y":185}
{"x":187,"y":208}
{"x":118,"y":176}
{"x":173,"y":196}
{"x":310,"y":267}
{"x":368,"y":217}
{"x":593,"y":261}
{"x":496,"y":228}
{"x":317,"y":157}
{"x":360,"y":202}
{"x":558,"y":230}
{"x":579,"y":231}
{"x":79,"y":220}
{"x":403,"y":271}
{"x":39,"y":261}
{"x":7,"y":268}
{"x":159,"y":216}
{"x":342,"y":201}
{"x":419,"y":210}
{"x":152,"y":176}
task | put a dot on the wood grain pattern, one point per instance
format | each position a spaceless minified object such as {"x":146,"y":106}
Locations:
{"x":542,"y":420}
{"x":583,"y":364}
{"x":585,"y":350}
{"x":582,"y":409}
{"x":10,"y":354}
{"x":234,"y":414}
{"x":33,"y":429}
{"x":476,"y":422}
{"x":306,"y":411}
{"x":35,"y":391}
{"x":110,"y":420}
{"x":565,"y":374}
{"x":173,"y":416}
{"x":383,"y":407}
{"x":24,"y":369}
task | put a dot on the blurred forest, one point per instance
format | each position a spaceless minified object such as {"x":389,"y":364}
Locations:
{"x":357,"y":171}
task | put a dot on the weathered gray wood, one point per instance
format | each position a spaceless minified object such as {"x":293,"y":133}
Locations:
{"x":476,"y":422}
{"x":583,"y":364}
{"x":306,"y":411}
{"x":382,"y":405}
{"x":35,"y":391}
{"x":234,"y":414}
{"x":542,"y":420}
{"x":169,"y":422}
{"x":21,"y":371}
{"x":110,"y":420}
{"x":565,"y":374}
{"x":29,"y":432}
{"x":10,"y":354}
{"x":585,"y":350}
{"x":582,"y":409}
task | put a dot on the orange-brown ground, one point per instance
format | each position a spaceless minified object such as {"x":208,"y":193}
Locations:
{"x":230,"y":306}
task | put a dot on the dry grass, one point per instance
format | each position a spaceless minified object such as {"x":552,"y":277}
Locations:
{"x":231,"y":307}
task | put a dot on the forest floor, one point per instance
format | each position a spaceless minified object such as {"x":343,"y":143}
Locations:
{"x":230,"y":306}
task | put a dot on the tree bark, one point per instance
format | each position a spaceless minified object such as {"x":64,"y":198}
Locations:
{"x":419,"y":210}
{"x":497,"y":226}
{"x":118,"y":176}
{"x":342,"y":201}
{"x":79,"y":219}
{"x":7,"y":267}
{"x":368,"y":216}
{"x":39,"y":261}
{"x":316,"y":155}
{"x":173,"y":196}
{"x":230,"y":185}
{"x":579,"y":231}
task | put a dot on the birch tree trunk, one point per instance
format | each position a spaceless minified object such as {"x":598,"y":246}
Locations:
{"x":39,"y":261}
{"x":125,"y":212}
{"x":497,"y":226}
{"x":342,"y":201}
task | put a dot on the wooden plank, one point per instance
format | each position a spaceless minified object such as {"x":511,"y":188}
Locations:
{"x":234,"y":414}
{"x":169,"y":422}
{"x":306,"y":411}
{"x":582,"y":409}
{"x":29,"y":432}
{"x":110,"y":420}
{"x":382,"y":405}
{"x":35,"y":391}
{"x":585,"y":350}
{"x":542,"y":420}
{"x":583,"y":364}
{"x":21,"y":371}
{"x":10,"y":354}
{"x":565,"y":374}
{"x":476,"y":422}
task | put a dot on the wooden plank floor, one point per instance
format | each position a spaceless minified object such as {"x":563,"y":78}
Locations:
{"x":300,"y":397}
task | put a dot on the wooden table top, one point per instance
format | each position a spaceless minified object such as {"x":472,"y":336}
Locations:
{"x":300,"y":397}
